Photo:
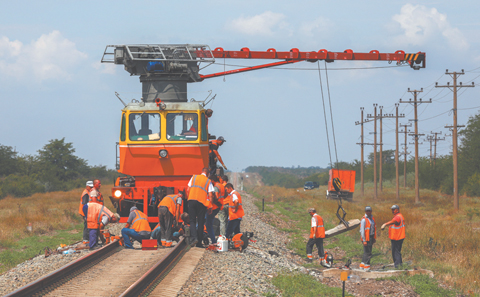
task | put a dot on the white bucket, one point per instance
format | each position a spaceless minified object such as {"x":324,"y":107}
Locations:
{"x":222,"y":244}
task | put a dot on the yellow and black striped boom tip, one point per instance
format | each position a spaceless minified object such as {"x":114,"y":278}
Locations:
{"x":416,"y":61}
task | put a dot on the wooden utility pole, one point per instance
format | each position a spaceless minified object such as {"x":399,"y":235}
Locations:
{"x":405,"y":131}
{"x":362,"y":150}
{"x":435,"y":139}
{"x":374,"y":150}
{"x":430,"y":139}
{"x":454,"y":88}
{"x":415,"y":103}
{"x":397,"y":178}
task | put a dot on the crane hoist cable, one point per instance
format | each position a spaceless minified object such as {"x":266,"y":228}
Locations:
{"x":336,"y":181}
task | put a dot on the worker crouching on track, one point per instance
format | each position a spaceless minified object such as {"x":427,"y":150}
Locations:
{"x":217,"y":203}
{"x":317,"y":234}
{"x":200,"y":195}
{"x":84,"y":199}
{"x":140,"y":228}
{"x":98,"y":216}
{"x":368,"y":233}
{"x":396,"y":233}
{"x":235,"y":211}
{"x":168,"y":214}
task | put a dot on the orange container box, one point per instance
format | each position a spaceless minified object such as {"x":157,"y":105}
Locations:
{"x":149,"y":244}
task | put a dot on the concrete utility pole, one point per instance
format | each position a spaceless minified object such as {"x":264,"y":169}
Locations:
{"x":430,"y":139}
{"x":397,"y":186}
{"x":435,"y":139}
{"x":454,"y":88}
{"x":405,"y":131}
{"x":361,"y":145}
{"x":374,"y":149}
{"x":415,"y":103}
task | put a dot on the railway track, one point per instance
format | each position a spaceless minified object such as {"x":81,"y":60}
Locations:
{"x":114,"y":271}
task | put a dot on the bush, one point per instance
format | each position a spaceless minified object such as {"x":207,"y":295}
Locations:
{"x":472,"y":187}
{"x":20,"y":186}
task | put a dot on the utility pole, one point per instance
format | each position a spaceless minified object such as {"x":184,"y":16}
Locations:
{"x":454,"y":88}
{"x":405,"y":131}
{"x":397,"y":186}
{"x":374,"y":149}
{"x":435,"y":139}
{"x":430,"y":139}
{"x":362,"y":149}
{"x":415,"y":103}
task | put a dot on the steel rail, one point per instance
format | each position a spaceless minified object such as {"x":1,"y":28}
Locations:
{"x":149,"y":280}
{"x":45,"y":282}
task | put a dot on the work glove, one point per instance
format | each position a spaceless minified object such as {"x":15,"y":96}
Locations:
{"x":383,"y":226}
{"x":364,"y":243}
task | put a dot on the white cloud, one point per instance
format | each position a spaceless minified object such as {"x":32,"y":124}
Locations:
{"x":108,"y":68}
{"x":265,"y":24}
{"x":51,"y":56}
{"x":422,"y":25}
{"x":313,"y":28}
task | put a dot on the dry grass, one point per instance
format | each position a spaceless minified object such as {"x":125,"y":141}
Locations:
{"x":438,"y":238}
{"x":46,"y":212}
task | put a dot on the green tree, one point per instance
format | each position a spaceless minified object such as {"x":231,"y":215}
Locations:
{"x":8,"y":160}
{"x":469,"y":151}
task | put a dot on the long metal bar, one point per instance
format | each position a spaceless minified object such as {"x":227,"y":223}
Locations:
{"x":223,"y":73}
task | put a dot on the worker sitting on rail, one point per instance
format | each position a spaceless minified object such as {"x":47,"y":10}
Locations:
{"x":368,"y":234}
{"x":98,"y":216}
{"x":140,"y":227}
{"x":181,"y":228}
{"x":214,"y":155}
{"x":84,"y":199}
{"x":317,"y":234}
{"x":200,"y":195}
{"x":168,"y":214}
{"x":235,"y":211}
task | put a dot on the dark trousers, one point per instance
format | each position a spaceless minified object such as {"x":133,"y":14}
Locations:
{"x":196,"y":212}
{"x":397,"y":252}
{"x":93,"y":234}
{"x":209,"y":224}
{"x":367,"y":253}
{"x":233,"y":227}
{"x":165,"y":217}
{"x":319,"y":243}
{"x":85,"y":230}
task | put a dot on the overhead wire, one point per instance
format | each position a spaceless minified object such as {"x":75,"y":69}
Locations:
{"x":324,"y":112}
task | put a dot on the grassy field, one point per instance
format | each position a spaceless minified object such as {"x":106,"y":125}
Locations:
{"x":54,"y":218}
{"x":438,"y":238}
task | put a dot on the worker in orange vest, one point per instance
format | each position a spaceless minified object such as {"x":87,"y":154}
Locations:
{"x":84,"y":199}
{"x":140,"y":228}
{"x":95,"y":194}
{"x":235,"y":211}
{"x":168,"y":213}
{"x":368,"y":235}
{"x":396,"y":233}
{"x":219,"y":196}
{"x":317,"y":234}
{"x":98,"y":216}
{"x":214,"y":155}
{"x":200,"y":196}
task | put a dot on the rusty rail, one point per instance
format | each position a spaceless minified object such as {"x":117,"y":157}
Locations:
{"x":154,"y":275}
{"x":60,"y":274}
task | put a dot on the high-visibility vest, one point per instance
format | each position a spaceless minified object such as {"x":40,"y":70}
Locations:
{"x":397,"y":232}
{"x":98,"y":199}
{"x":95,"y":213}
{"x":368,"y":229}
{"x":220,"y":195}
{"x":80,"y":208}
{"x":140,"y":222}
{"x":170,"y":201}
{"x":239,"y":213}
{"x":199,"y":190}
{"x":320,"y":228}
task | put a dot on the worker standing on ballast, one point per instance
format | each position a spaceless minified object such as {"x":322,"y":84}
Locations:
{"x":235,"y":211}
{"x":317,"y":234}
{"x":217,"y":203}
{"x":368,"y":234}
{"x":200,"y":196}
{"x":140,"y":228}
{"x":84,"y":199}
{"x":396,"y":233}
{"x":168,"y":213}
{"x":214,"y":155}
{"x":98,"y":216}
{"x":96,"y":187}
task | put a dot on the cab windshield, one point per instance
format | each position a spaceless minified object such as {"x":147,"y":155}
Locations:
{"x":182,"y":126}
{"x":144,"y":126}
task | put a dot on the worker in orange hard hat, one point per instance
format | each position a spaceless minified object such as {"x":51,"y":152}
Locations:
{"x":214,"y":155}
{"x":368,"y":235}
{"x":140,"y":228}
{"x":84,"y":199}
{"x":95,"y":194}
{"x":168,"y":213}
{"x":396,"y":233}
{"x":317,"y":234}
{"x":235,"y":211}
{"x":98,"y":216}
{"x":200,"y":195}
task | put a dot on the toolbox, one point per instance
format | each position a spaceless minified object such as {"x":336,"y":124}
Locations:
{"x":149,"y":244}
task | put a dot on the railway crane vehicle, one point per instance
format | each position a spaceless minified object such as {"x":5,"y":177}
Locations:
{"x":164,"y":137}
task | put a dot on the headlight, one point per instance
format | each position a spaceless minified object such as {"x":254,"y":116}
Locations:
{"x":117,"y":193}
{"x":163,"y":153}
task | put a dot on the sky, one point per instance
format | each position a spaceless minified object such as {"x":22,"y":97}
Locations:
{"x":53,"y":86}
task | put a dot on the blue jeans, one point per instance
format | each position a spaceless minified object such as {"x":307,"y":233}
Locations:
{"x":156,"y":233}
{"x":92,"y":234}
{"x":233,"y":227}
{"x":127,"y":233}
{"x":209,"y":224}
